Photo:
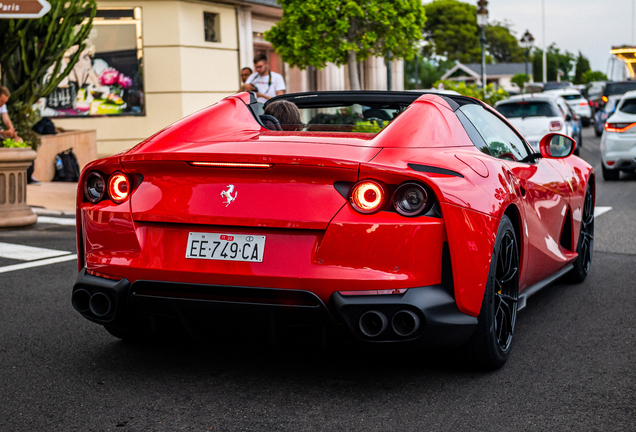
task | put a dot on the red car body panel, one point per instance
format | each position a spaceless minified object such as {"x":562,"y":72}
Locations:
{"x":316,"y":241}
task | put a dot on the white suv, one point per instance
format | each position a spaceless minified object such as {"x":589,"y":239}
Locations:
{"x":577,"y":103}
{"x":618,"y":142}
{"x":535,"y":115}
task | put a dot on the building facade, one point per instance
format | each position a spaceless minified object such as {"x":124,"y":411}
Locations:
{"x":151,"y":63}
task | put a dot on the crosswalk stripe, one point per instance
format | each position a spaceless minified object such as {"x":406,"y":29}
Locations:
{"x":56,"y":220}
{"x":40,"y":263}
{"x":27,"y":253}
{"x":598,"y":210}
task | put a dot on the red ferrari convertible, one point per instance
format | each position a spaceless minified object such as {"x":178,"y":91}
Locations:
{"x":394,"y":218}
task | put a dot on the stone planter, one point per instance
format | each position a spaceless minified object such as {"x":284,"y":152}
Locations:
{"x":14,"y":210}
{"x":83,"y":143}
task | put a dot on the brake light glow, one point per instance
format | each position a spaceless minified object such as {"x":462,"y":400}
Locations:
{"x":619,"y":127}
{"x":555,"y":125}
{"x":118,"y":187}
{"x":102,"y":275}
{"x":582,"y":103}
{"x":610,"y":163}
{"x":368,"y":196}
{"x":231,"y":164}
{"x":374,"y":292}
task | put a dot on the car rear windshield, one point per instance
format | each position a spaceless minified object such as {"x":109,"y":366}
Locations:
{"x":556,"y":85}
{"x":527,"y":109}
{"x":629,"y":106}
{"x":619,"y":88}
{"x":572,"y":96}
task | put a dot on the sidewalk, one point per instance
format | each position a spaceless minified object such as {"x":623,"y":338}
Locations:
{"x":52,"y":198}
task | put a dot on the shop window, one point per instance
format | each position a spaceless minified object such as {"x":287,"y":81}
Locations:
{"x":211,"y":27}
{"x":108,"y":78}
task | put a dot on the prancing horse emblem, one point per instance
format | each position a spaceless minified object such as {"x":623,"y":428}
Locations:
{"x":228,"y":195}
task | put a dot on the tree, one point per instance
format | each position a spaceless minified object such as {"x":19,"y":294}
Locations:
{"x":451,"y":31}
{"x":520,"y":79}
{"x":31,"y":47}
{"x":317,"y":32}
{"x":425,"y":74}
{"x":555,"y":61}
{"x":493,"y":94}
{"x":502,"y":44}
{"x":582,"y":66}
{"x":590,"y":76}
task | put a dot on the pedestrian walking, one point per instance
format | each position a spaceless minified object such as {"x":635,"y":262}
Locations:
{"x":264,"y":82}
{"x":245,"y":74}
{"x":6,"y":128}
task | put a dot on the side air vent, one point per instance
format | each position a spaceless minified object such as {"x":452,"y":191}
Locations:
{"x":566,"y":232}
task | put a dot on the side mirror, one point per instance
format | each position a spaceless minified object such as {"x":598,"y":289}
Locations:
{"x":555,"y":145}
{"x":568,"y":117}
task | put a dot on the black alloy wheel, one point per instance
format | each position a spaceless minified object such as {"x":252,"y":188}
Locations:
{"x":506,"y":290}
{"x":489,"y":347}
{"x":585,"y":247}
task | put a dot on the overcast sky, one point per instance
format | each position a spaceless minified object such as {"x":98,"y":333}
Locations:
{"x":589,"y":26}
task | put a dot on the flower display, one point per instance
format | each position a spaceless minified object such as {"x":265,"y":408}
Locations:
{"x":124,"y":81}
{"x":109,"y":76}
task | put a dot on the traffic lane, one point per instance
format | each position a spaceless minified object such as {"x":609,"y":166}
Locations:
{"x":571,"y":369}
{"x":615,"y":231}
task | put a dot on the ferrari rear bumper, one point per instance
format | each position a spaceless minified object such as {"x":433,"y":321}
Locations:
{"x":424,"y":316}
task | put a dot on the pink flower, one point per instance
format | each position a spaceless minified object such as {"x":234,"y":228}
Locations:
{"x":124,"y":81}
{"x":108,"y":76}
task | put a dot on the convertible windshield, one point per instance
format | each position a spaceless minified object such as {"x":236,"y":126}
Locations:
{"x":527,"y":109}
{"x":354,"y":118}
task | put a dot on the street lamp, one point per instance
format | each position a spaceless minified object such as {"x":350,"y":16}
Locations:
{"x":527,"y":41}
{"x":482,"y":22}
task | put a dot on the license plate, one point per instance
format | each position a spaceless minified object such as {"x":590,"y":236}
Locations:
{"x":225,"y":247}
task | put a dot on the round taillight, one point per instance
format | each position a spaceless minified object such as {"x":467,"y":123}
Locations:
{"x":368,"y":196}
{"x":118,"y":187}
{"x":94,"y":187}
{"x":410,"y":199}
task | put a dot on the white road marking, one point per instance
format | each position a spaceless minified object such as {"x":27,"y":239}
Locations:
{"x":600,"y":210}
{"x":55,"y":220}
{"x":31,"y":264}
{"x":27,"y":253}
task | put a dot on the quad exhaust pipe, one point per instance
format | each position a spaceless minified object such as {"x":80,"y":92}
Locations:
{"x":99,"y":304}
{"x":373,"y":323}
{"x":404,"y":323}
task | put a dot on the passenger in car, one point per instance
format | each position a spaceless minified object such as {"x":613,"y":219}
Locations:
{"x":287,"y":113}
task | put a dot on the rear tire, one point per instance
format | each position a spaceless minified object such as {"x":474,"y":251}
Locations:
{"x":585,"y":247}
{"x":610,"y":174}
{"x":489,"y":347}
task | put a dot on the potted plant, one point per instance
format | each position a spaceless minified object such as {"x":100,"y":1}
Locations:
{"x":15,"y":159}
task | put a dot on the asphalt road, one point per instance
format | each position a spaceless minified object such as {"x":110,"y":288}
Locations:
{"x":572,"y":366}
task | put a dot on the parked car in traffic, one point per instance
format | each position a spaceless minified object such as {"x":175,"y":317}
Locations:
{"x":556,"y":85}
{"x":535,"y":115}
{"x":577,"y":103}
{"x":612,"y":93}
{"x":594,"y":93}
{"x":618,"y":143}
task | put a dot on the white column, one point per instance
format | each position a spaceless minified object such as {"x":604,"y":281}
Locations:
{"x":397,"y":75}
{"x":297,"y":80}
{"x":375,"y":73}
{"x":331,"y":78}
{"x":245,"y":36}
